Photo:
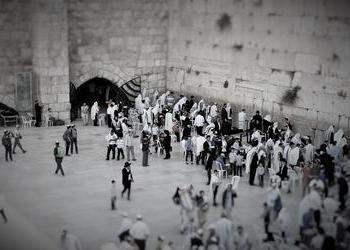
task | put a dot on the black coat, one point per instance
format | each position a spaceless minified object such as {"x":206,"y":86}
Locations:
{"x":167,"y":142}
{"x":126,"y":180}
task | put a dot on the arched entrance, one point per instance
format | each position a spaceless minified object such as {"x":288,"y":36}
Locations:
{"x":96,"y":89}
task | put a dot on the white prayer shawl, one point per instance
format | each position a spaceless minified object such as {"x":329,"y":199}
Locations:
{"x":199,"y":144}
{"x":242,"y":118}
{"x":126,"y":225}
{"x":155,"y":96}
{"x":338,"y":138}
{"x":228,"y":109}
{"x":182,"y":101}
{"x":213,"y":111}
{"x":296,"y":139}
{"x":193,"y":110}
{"x":163,"y":97}
{"x":94,"y":110}
{"x":309,"y":153}
{"x":293,"y":156}
{"x":201,"y":105}
{"x":256,"y":135}
{"x":156,"y":108}
{"x":286,"y":151}
{"x":223,"y":229}
{"x":249,"y":159}
{"x":149,"y":116}
{"x":168,"y":122}
{"x":211,"y":126}
{"x":276,"y":161}
{"x":185,"y":198}
{"x":138,"y":101}
{"x":147,"y":102}
{"x":288,"y":134}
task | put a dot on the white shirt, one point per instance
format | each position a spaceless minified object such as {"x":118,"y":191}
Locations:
{"x":111,"y":139}
{"x":199,"y":121}
{"x":242,"y":118}
{"x":126,"y":225}
{"x":139,"y":231}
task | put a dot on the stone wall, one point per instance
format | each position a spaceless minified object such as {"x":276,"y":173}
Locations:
{"x":50,"y":55}
{"x":263,"y":48}
{"x":15,"y":46}
{"x":118,"y":40}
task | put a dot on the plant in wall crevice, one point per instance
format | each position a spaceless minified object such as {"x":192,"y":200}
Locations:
{"x":291,"y":95}
{"x":224,"y":22}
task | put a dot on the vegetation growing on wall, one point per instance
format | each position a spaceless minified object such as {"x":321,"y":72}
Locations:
{"x":224,"y":22}
{"x":291,"y":95}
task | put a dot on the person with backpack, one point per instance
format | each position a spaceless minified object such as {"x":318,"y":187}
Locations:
{"x":58,"y":152}
{"x":74,"y":139}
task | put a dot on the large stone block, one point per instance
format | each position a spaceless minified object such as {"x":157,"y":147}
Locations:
{"x":308,"y":63}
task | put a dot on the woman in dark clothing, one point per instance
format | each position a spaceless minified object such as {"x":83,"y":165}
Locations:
{"x":167,"y":144}
{"x":253,"y":166}
{"x":38,"y":111}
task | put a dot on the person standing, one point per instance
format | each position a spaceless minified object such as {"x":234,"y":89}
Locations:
{"x":167,"y":144}
{"x":228,"y":197}
{"x":145,"y":142}
{"x":140,"y":232}
{"x":129,"y":146}
{"x":6,"y":142}
{"x":110,"y":110}
{"x":58,"y":152}
{"x":67,"y":137}
{"x":38,"y":112}
{"x":214,"y":185}
{"x":69,"y":241}
{"x":113,"y":195}
{"x":189,"y":148}
{"x":85,"y":114}
{"x":18,"y":137}
{"x":74,"y":139}
{"x":111,"y":139}
{"x":127,"y":179}
{"x":203,"y":207}
{"x":120,"y":146}
{"x":94,"y":113}
{"x":199,"y":123}
{"x":242,"y":120}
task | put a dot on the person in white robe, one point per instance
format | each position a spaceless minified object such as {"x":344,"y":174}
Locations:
{"x":138,"y":101}
{"x":213,"y":110}
{"x":242,"y":120}
{"x":155,"y":97}
{"x":228,"y":110}
{"x":249,"y":158}
{"x":293,"y":156}
{"x":163,"y":98}
{"x":277,"y":154}
{"x":201,"y":105}
{"x":94,"y":113}
{"x":224,"y":230}
{"x":329,"y":134}
{"x":199,"y":142}
{"x":309,"y":152}
{"x":168,"y":121}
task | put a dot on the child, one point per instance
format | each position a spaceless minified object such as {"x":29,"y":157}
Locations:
{"x":120,"y":146}
{"x":113,"y":195}
{"x":189,"y":148}
{"x":260,"y":172}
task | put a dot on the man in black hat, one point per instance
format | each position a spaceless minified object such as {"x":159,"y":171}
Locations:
{"x":127,"y":178}
{"x":67,"y":137}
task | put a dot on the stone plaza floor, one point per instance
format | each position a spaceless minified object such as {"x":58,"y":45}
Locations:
{"x":40,"y":204}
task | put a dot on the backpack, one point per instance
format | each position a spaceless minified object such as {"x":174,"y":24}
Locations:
{"x":60,"y":152}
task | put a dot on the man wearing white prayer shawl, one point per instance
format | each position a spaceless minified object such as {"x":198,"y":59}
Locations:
{"x":163,"y":98}
{"x":168,"y":122}
{"x":199,"y":149}
{"x":249,"y":158}
{"x":293,"y":156}
{"x":213,"y":111}
{"x":201,"y":105}
{"x":329,"y":134}
{"x":94,"y":113}
{"x":277,"y":155}
{"x":242,"y":120}
{"x":309,"y":152}
{"x":224,"y":230}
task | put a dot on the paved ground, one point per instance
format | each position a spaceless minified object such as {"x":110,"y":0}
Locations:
{"x":40,"y":204}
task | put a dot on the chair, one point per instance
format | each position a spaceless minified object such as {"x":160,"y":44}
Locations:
{"x":222,"y":172}
{"x":25,"y":122}
{"x":31,"y":120}
{"x":101,"y":119}
{"x":235,"y":182}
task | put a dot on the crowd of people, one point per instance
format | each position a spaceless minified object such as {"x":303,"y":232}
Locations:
{"x":268,"y":154}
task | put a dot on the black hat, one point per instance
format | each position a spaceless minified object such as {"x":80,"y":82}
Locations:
{"x":127,"y":164}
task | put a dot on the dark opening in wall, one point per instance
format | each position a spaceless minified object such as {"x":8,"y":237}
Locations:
{"x":224,"y":22}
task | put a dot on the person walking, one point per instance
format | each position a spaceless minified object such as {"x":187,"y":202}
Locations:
{"x":85,"y":114}
{"x":58,"y":152}
{"x":2,"y":208}
{"x":6,"y":142}
{"x":69,"y":241}
{"x":124,"y":230}
{"x":129,"y":145}
{"x":113,"y":195}
{"x":228,"y":197}
{"x":67,"y":137}
{"x":167,"y":144}
{"x":145,"y":142}
{"x":140,"y":232}
{"x":127,"y":179}
{"x":120,"y":146}
{"x":18,"y":137}
{"x":74,"y":139}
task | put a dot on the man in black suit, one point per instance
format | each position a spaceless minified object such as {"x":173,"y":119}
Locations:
{"x":127,"y":178}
